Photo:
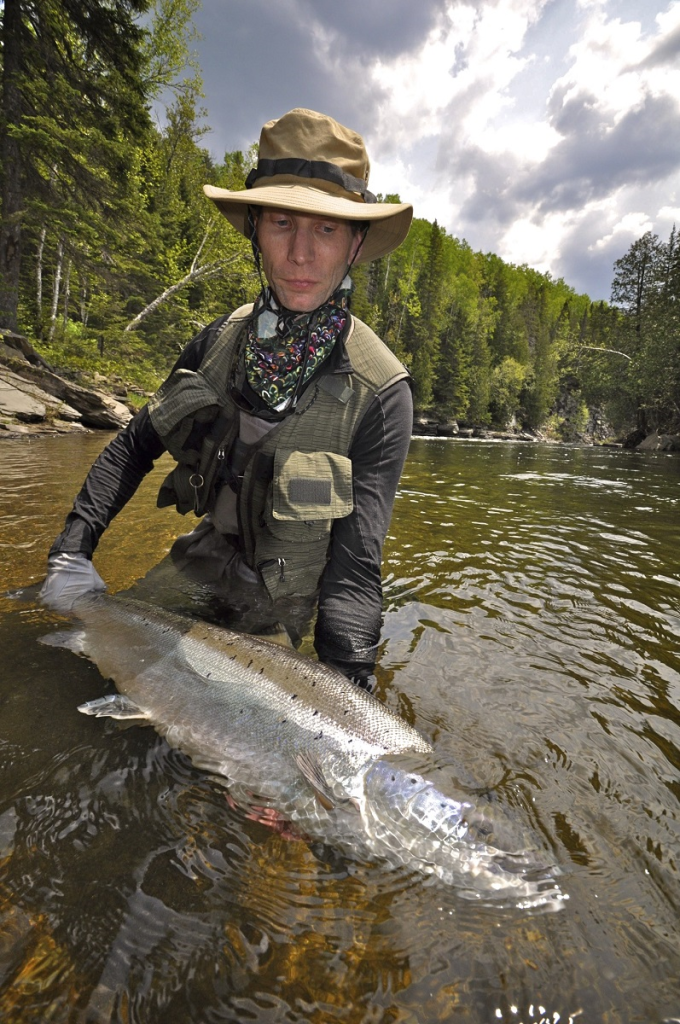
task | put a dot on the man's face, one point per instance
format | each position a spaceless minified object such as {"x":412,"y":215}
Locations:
{"x":304,"y":257}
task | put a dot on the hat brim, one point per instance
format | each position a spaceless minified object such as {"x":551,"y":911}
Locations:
{"x":389,"y":222}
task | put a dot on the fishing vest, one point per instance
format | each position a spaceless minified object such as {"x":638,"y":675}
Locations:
{"x":297,"y":479}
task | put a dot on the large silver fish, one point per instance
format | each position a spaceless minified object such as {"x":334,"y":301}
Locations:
{"x":290,"y":733}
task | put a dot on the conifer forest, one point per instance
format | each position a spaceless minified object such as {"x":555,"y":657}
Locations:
{"x":111,"y":258}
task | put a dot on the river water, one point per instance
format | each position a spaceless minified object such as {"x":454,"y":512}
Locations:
{"x":532,"y":633}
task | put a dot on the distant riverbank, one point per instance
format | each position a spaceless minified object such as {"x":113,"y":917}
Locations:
{"x":36,"y":401}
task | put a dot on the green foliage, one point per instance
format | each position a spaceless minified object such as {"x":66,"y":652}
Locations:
{"x":630,"y":361}
{"x":507,"y":381}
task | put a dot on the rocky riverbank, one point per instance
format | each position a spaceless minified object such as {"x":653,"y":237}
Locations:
{"x":428,"y":426}
{"x":36,"y":400}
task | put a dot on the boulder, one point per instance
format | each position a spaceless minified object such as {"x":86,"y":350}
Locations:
{"x":660,"y":443}
{"x":92,"y":408}
{"x":20,"y":405}
{"x":19,"y":345}
{"x":633,"y":439}
{"x":449,"y":429}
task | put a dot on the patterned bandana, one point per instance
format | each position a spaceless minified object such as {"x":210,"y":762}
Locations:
{"x":282,"y":344}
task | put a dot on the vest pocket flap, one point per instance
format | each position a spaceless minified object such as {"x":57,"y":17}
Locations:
{"x":311,"y":485}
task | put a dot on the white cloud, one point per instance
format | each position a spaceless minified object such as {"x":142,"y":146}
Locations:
{"x":528,"y":179}
{"x":670,"y":213}
{"x":630,"y":226}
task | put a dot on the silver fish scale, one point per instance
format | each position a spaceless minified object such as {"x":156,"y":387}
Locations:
{"x":290,"y":689}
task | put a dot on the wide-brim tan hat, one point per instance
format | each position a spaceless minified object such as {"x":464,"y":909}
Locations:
{"x":308,"y":163}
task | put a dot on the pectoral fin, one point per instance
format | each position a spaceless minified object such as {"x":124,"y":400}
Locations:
{"x":314,"y":776}
{"x":70,"y":639}
{"x":114,"y":705}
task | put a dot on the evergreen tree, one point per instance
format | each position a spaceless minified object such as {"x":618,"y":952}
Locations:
{"x":637,"y":284}
{"x":425,"y":320}
{"x":72,"y":98}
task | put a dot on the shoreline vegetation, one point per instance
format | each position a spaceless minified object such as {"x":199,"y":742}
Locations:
{"x":37,"y":401}
{"x":112,"y":259}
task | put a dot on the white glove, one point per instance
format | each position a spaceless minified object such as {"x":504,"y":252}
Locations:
{"x":69,"y":577}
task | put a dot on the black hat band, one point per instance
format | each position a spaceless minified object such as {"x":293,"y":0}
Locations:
{"x":310,"y":169}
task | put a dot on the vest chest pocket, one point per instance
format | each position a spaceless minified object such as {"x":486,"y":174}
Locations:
{"x":310,"y":490}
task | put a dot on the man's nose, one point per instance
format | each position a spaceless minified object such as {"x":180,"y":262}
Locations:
{"x":301,"y":245}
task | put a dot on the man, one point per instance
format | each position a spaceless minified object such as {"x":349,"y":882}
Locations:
{"x":289,"y":420}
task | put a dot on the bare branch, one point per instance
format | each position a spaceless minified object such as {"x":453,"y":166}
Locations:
{"x":199,"y":273}
{"x":613,"y":351}
{"x":203,"y":241}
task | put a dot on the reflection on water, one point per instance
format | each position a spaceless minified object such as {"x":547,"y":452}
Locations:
{"x":531,"y":632}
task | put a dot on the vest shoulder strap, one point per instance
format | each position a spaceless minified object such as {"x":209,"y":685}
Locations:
{"x":371,"y":359}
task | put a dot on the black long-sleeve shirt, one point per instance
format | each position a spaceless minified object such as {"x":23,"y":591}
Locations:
{"x":350,"y":601}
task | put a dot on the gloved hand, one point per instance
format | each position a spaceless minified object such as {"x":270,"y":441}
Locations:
{"x":364,"y":680}
{"x":68,"y":577}
{"x":361,"y":676}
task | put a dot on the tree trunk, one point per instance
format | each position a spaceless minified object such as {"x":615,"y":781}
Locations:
{"x":208,"y":270}
{"x":67,"y":291}
{"x":12,"y":165}
{"x":39,"y":282}
{"x":56,"y":286}
{"x":84,"y":298}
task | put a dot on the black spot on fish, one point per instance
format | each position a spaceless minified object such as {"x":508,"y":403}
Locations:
{"x":283,"y":721}
{"x":208,"y":674}
{"x":347,"y":712}
{"x":261,"y":670}
{"x":315,"y":713}
{"x":294,"y":696}
{"x":319,"y":736}
{"x":250,"y":663}
{"x":394,"y":778}
{"x":233,"y":658}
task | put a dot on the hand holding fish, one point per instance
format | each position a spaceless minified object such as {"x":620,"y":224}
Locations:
{"x":68,"y":578}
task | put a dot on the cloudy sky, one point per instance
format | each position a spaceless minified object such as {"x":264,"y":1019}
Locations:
{"x":546,"y":131}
